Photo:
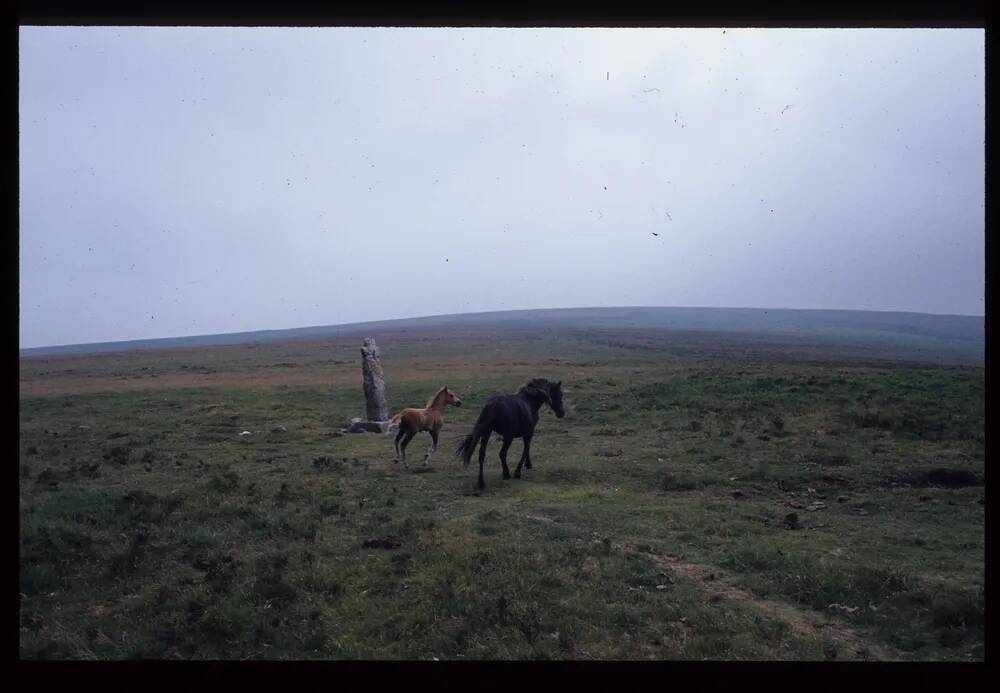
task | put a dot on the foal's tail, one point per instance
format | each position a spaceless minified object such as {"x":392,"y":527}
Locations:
{"x":468,"y":444}
{"x":397,"y":417}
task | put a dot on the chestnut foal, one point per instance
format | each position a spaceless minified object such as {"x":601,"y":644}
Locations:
{"x":413,"y":420}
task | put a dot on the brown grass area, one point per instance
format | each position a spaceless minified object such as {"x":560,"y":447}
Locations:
{"x":174,"y":381}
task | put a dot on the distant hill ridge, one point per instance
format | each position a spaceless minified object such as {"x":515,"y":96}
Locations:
{"x":956,"y":335}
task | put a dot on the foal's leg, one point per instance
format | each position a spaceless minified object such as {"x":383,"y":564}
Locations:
{"x":395,"y":443}
{"x":525,"y":457}
{"x":406,"y":441}
{"x":503,"y":456}
{"x":434,"y":445}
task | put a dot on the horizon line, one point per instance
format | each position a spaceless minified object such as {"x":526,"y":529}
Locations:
{"x":481,"y":312}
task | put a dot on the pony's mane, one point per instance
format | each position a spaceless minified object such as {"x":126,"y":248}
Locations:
{"x":430,"y":402}
{"x":540,"y":383}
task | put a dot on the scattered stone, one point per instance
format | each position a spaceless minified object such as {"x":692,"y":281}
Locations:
{"x":812,"y":507}
{"x":842,"y":499}
{"x":738,"y":494}
{"x":924,"y":498}
{"x":389,"y":542}
{"x":610,"y":453}
{"x":794,"y":504}
{"x":280,"y":429}
{"x":83,"y":427}
{"x":846,"y":609}
{"x":791,"y":521}
{"x":244,"y":434}
{"x":359,"y":426}
{"x":858,"y":511}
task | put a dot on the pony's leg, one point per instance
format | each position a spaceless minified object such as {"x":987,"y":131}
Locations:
{"x":434,"y":445}
{"x":396,"y":443}
{"x":482,"y":447}
{"x":525,"y":457}
{"x":503,"y":456}
{"x":482,"y":458}
{"x":406,"y":441}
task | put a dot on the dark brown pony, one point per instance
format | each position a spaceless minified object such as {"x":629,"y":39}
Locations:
{"x":413,"y":420}
{"x":512,"y":416}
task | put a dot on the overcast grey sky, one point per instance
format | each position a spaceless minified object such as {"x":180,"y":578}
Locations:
{"x":179,"y":181}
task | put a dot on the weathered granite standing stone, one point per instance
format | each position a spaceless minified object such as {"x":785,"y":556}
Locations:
{"x":376,"y":407}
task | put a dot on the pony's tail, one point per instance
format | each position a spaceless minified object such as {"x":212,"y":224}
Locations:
{"x":468,"y":444}
{"x":396,"y":418}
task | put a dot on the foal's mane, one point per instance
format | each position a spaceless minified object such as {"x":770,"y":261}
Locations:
{"x":430,"y":402}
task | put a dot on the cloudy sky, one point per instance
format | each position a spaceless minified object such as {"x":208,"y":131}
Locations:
{"x":180,"y":181}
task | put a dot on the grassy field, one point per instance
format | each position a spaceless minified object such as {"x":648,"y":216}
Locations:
{"x":657,"y":521}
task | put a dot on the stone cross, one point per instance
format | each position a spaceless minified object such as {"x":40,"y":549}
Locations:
{"x":376,"y":407}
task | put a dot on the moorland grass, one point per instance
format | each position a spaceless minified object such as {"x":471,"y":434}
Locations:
{"x":149,"y":528}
